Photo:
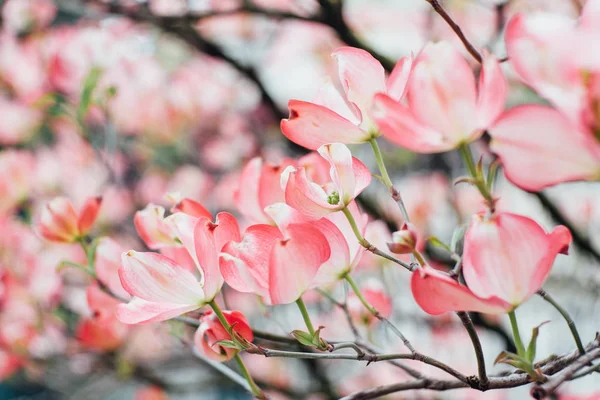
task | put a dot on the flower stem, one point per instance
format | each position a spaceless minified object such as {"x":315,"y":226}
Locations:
{"x":516,"y":334}
{"x":304,"y":312}
{"x":479,"y":181}
{"x":385,"y":177}
{"x":377,"y":314}
{"x":256,"y":391}
{"x":567,"y":318}
{"x":367,"y":245}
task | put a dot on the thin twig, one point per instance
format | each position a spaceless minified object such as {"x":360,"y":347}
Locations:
{"x":470,"y":48}
{"x":567,"y":318}
{"x":468,"y":324}
{"x":223,"y":369}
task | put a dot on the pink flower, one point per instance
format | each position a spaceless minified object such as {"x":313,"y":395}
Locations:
{"x":161,"y":288}
{"x":260,"y":263}
{"x":101,"y":332}
{"x":150,"y":225}
{"x":108,"y":262}
{"x":540,"y":147}
{"x":203,"y":240}
{"x":191,"y":207}
{"x":345,"y":118}
{"x":506,"y":260}
{"x":59,"y":222}
{"x":349,"y":177}
{"x":211,"y":331}
{"x":444,"y":108}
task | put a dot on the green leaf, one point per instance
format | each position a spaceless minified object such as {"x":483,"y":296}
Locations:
{"x":229,"y":344}
{"x":465,"y":179}
{"x":492,"y":174}
{"x":531,"y":349}
{"x":438,"y":243}
{"x":304,"y":338}
{"x":89,"y":85}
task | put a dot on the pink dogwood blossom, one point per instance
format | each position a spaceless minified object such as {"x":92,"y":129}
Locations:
{"x":507,"y":258}
{"x":59,"y":222}
{"x":211,"y":331}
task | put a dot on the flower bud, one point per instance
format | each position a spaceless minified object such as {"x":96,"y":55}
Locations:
{"x":59,"y":222}
{"x":211,"y":331}
{"x":404,"y":241}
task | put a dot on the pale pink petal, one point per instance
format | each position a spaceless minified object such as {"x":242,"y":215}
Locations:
{"x":437,"y":293}
{"x":209,"y":239}
{"x":341,"y":171}
{"x":492,"y":91}
{"x":295,"y":261}
{"x":398,"y":80}
{"x":88,"y":214}
{"x":245,"y":265}
{"x":400,"y":127}
{"x":361,"y":76}
{"x":269,"y":189}
{"x":108,"y":262}
{"x":246,"y":196}
{"x":530,"y":141}
{"x":442,"y":91}
{"x":330,"y":97}
{"x":311,"y":126}
{"x":151,"y":227}
{"x":307,"y":197}
{"x":339,"y":262}
{"x":590,"y":16}
{"x":191,"y":207}
{"x":509,"y":256}
{"x":139,"y":311}
{"x":156,"y":278}
{"x":182,"y":227}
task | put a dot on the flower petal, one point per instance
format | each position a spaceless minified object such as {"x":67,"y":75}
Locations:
{"x":139,"y":311}
{"x":530,"y":141}
{"x":305,"y":196}
{"x":492,"y":91}
{"x":311,"y":126}
{"x":156,"y":278}
{"x":437,"y":293}
{"x":88,"y":214}
{"x":108,"y":262}
{"x":295,"y":261}
{"x":361,"y":76}
{"x":401,"y":127}
{"x":397,"y":82}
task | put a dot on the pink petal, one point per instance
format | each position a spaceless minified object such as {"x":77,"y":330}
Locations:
{"x":156,"y":278}
{"x":530,"y":141}
{"x":398,"y":80}
{"x":330,"y":97}
{"x":191,"y":207}
{"x":108,"y":262}
{"x":209,"y":239}
{"x":509,"y":256}
{"x":295,"y":261}
{"x":245,"y":265}
{"x":340,"y":160}
{"x":401,"y":127}
{"x":246,"y":197}
{"x":437,"y":293}
{"x":88,"y":214}
{"x":361,"y":76}
{"x":492,"y":91}
{"x":311,"y":126}
{"x":151,"y":227}
{"x":269,"y":190}
{"x":182,"y":226}
{"x":442,"y":91}
{"x":307,"y":197}
{"x":139,"y":311}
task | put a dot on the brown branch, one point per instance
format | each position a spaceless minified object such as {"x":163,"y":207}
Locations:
{"x":518,"y":378}
{"x":483,"y":381}
{"x":470,"y":48}
{"x":546,"y":389}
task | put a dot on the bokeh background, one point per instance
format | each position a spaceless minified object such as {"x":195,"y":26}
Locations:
{"x":132,"y":100}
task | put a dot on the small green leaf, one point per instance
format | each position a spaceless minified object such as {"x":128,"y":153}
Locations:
{"x":229,"y":344}
{"x":89,"y":85}
{"x":531,"y":349}
{"x":304,"y":338}
{"x":479,"y":168}
{"x":438,"y":243}
{"x":492,"y":174}
{"x":465,"y":179}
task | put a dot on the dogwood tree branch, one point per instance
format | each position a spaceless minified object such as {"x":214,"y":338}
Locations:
{"x":567,"y":363}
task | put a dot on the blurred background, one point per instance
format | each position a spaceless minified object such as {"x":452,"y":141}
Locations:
{"x":135,"y":99}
